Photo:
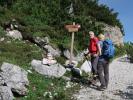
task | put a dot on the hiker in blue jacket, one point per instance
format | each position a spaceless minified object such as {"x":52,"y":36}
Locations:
{"x":106,"y":52}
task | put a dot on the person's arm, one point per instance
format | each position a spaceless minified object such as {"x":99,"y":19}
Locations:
{"x":99,"y":49}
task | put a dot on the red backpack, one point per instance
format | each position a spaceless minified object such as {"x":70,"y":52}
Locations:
{"x":93,"y":45}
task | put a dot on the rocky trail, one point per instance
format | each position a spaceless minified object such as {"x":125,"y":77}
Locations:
{"x":120,"y":85}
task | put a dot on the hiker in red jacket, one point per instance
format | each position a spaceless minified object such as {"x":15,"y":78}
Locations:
{"x":94,"y":53}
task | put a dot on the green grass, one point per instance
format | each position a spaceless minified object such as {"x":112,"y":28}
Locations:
{"x":22,"y":53}
{"x":40,"y":84}
{"x":18,"y":52}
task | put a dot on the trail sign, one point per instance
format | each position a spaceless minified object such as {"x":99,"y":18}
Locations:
{"x":72,"y":28}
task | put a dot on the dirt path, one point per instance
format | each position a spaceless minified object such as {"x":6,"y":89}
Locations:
{"x":120,"y":85}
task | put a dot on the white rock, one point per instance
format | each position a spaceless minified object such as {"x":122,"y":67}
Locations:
{"x":46,"y":61}
{"x":55,"y":70}
{"x":2,"y":39}
{"x":29,"y":71}
{"x":14,"y":34}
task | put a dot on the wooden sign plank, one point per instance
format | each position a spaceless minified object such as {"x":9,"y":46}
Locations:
{"x":72,"y":28}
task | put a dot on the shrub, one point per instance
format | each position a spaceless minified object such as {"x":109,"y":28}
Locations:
{"x":129,"y":51}
{"x":119,"y":51}
{"x":47,"y":18}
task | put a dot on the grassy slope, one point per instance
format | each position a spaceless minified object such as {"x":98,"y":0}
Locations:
{"x":21,"y":53}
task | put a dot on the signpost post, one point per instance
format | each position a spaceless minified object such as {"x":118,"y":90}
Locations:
{"x":72,"y":28}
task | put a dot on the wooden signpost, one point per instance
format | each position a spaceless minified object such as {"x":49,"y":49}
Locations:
{"x":72,"y":28}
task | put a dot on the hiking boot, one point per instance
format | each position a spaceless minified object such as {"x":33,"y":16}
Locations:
{"x":93,"y":82}
{"x":95,"y":77}
{"x":102,"y":88}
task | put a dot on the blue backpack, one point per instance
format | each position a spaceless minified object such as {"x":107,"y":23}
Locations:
{"x":108,"y":49}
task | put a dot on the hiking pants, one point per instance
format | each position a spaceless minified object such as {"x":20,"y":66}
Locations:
{"x":103,"y":72}
{"x":94,"y":62}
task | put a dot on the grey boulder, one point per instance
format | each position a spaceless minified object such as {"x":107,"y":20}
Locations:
{"x":14,"y":34}
{"x":51,"y":50}
{"x":79,"y":57}
{"x":1,"y":81}
{"x":55,"y":70}
{"x":15,"y":78}
{"x":5,"y":93}
{"x":42,"y":41}
{"x":67,"y":54}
